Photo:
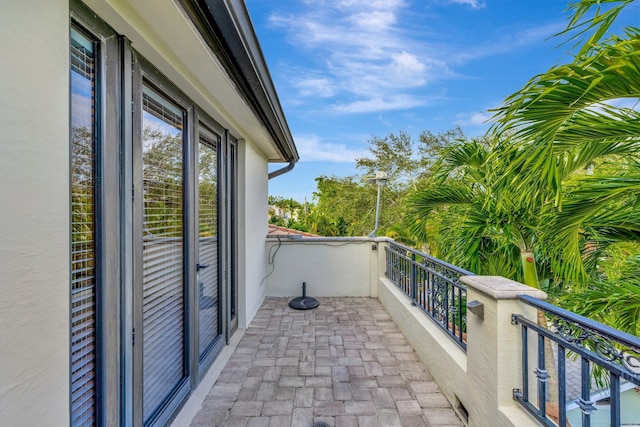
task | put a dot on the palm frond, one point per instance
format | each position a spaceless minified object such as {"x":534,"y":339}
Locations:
{"x":601,"y":21}
{"x":569,"y":106}
{"x":603,"y":205}
{"x":615,"y":302}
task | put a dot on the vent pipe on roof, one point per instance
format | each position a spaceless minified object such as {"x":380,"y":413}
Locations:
{"x":284,"y":170}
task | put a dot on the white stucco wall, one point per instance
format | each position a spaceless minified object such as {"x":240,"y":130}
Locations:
{"x":34,"y":225}
{"x":483,"y":378}
{"x":446,"y":362}
{"x":331,"y":267}
{"x":252,"y":230}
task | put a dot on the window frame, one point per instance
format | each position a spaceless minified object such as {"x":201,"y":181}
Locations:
{"x":106,"y":207}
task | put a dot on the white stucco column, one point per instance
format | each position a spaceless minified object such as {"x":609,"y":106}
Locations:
{"x":494,"y":350}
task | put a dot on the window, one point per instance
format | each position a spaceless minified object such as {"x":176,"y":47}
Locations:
{"x":83,"y":230}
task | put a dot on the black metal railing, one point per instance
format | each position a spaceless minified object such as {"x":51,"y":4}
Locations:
{"x":586,"y":353}
{"x":433,"y":285}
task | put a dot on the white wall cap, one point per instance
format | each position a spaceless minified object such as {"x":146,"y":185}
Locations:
{"x":500,"y":287}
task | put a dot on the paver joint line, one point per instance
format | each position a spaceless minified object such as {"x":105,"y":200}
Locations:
{"x":344,"y":363}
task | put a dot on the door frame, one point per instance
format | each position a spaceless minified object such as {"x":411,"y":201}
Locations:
{"x":230,"y":243}
{"x":200,"y":365}
{"x":195,"y":367}
{"x":144,"y":74}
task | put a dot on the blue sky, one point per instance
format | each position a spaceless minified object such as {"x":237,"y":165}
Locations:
{"x":349,"y":69}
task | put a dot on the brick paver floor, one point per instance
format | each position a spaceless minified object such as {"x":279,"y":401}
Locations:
{"x":345,"y":363}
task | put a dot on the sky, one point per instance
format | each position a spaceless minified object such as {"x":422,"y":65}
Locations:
{"x":347,"y":70}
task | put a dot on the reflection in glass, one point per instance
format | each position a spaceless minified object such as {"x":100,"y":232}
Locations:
{"x":163,"y":251}
{"x":83,"y":228}
{"x":208,"y":295}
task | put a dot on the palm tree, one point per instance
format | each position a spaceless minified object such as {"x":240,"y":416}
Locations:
{"x":565,"y":119}
{"x":615,"y":301}
{"x":496,"y":232}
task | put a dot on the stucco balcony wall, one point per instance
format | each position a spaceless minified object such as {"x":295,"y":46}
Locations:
{"x":331,"y":267}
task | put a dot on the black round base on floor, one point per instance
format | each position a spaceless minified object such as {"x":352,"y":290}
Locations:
{"x":304,"y":303}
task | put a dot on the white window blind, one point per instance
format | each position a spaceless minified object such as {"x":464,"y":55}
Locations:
{"x":83,"y":231}
{"x":163,"y":252}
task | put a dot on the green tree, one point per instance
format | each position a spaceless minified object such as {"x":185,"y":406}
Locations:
{"x":405,"y":160}
{"x":564,"y":119}
{"x":483,"y":228}
{"x":345,"y":207}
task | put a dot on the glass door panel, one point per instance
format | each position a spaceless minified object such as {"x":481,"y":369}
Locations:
{"x":208,"y":278}
{"x":163,"y":334}
{"x":83,"y":231}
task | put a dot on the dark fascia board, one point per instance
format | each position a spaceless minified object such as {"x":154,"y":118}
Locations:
{"x":226,"y":27}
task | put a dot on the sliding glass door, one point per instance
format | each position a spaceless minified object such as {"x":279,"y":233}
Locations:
{"x":163,"y":252}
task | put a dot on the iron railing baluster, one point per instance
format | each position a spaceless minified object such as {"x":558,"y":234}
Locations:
{"x":562,"y":387}
{"x":433,"y":285}
{"x":460,"y":316}
{"x":598,"y":347}
{"x":614,"y":399}
{"x":542,"y":377}
{"x":585,"y":403}
{"x":525,"y":363}
{"x":414,"y":289}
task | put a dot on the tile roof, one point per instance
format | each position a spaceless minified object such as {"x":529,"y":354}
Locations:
{"x":276,"y":230}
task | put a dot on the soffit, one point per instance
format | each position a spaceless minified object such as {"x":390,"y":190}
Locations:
{"x":164,"y":34}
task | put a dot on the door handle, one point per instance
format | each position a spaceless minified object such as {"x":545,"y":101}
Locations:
{"x":201,"y":266}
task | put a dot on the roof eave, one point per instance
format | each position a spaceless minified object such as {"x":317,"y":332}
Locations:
{"x":226,"y":27}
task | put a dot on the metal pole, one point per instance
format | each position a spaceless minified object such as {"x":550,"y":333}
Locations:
{"x":373,"y":233}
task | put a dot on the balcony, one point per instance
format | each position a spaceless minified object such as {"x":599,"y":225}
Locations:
{"x":403,"y":339}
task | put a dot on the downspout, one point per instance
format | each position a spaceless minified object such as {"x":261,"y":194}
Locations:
{"x":284,"y":170}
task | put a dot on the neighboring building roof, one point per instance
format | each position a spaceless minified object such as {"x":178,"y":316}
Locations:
{"x":276,"y":230}
{"x":226,"y":27}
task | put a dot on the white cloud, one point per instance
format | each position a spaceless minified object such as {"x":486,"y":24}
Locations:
{"x":474,"y":4}
{"x":370,"y":105}
{"x":512,"y":40}
{"x":368,"y":52}
{"x":365,"y":56}
{"x":315,"y":86}
{"x":313,"y":149}
{"x":473,"y":119}
{"x":365,"y":4}
{"x":408,"y":68}
{"x":384,"y":121}
{"x":375,"y":19}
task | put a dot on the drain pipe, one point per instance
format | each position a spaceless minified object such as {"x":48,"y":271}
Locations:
{"x":284,"y":170}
